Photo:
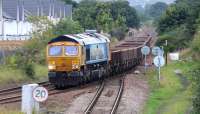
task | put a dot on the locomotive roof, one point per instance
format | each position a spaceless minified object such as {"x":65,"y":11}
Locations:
{"x":83,"y":39}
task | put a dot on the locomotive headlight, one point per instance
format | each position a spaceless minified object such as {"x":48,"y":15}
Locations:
{"x":75,"y":66}
{"x":51,"y":67}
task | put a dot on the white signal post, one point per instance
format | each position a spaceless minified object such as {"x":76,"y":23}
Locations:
{"x":145,"y":51}
{"x":159,"y":62}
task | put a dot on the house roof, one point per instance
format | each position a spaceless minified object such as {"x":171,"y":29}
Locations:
{"x":54,"y":8}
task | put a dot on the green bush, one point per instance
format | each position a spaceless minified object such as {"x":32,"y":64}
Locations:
{"x":178,"y":38}
{"x":29,"y":70}
{"x":196,"y":79}
{"x":196,"y":43}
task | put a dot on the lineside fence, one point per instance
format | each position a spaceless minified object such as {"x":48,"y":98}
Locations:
{"x":14,"y":37}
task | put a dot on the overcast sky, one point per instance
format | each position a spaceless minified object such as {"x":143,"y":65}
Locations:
{"x":143,"y":2}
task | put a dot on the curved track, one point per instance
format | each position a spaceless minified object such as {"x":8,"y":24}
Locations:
{"x":13,"y":95}
{"x":96,"y":106}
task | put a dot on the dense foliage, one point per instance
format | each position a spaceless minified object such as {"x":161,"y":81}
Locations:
{"x":111,"y":16}
{"x":89,"y":11}
{"x":72,"y":2}
{"x":156,"y":10}
{"x":179,"y":23}
{"x":196,"y":44}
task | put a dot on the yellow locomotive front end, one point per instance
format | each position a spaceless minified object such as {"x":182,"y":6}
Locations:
{"x":64,"y":61}
{"x":63,"y":57}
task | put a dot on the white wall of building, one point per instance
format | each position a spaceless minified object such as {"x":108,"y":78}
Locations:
{"x":12,"y":30}
{"x":17,"y":28}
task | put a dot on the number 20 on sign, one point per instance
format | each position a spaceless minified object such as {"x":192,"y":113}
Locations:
{"x":40,"y":94}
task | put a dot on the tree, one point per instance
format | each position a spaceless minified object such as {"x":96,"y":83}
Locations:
{"x":174,"y":16}
{"x":94,"y":14}
{"x":157,"y":9}
{"x":196,"y":44}
{"x":104,"y":18}
{"x":67,"y":26}
{"x":132,"y":19}
{"x":119,"y":28}
{"x":72,"y":2}
{"x":86,"y":13}
{"x":124,"y":9}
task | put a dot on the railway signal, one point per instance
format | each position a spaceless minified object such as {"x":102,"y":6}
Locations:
{"x":159,"y":62}
{"x":145,"y":51}
{"x":155,"y":50}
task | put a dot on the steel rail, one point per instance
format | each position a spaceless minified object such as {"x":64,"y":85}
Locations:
{"x":95,"y":98}
{"x":118,"y":98}
{"x":18,"y":88}
{"x":17,"y":98}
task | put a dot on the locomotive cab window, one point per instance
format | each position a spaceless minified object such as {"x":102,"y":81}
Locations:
{"x":71,"y":50}
{"x":55,"y":50}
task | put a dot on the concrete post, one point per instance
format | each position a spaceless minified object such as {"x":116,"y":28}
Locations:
{"x":29,"y":105}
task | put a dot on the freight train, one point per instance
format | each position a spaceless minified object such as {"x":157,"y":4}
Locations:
{"x":80,"y":58}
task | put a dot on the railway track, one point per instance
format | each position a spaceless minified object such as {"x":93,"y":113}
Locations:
{"x":18,"y":88}
{"x":11,"y":95}
{"x":111,"y":105}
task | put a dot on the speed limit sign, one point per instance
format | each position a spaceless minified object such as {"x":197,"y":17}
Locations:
{"x":40,"y":94}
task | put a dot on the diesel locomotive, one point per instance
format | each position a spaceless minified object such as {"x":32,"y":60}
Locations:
{"x":79,"y":58}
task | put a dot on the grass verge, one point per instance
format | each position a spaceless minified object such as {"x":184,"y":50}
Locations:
{"x":173,"y":94}
{"x":11,"y":75}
